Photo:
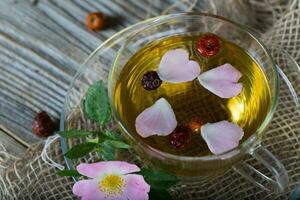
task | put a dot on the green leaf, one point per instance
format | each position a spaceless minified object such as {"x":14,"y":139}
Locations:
{"x":159,"y":179}
{"x":159,"y":194}
{"x":106,"y":152}
{"x":96,"y":104}
{"x":71,"y":172}
{"x":75,"y":134}
{"x":113,"y":135}
{"x":92,"y":140}
{"x":118,"y":144}
{"x":80,"y":150}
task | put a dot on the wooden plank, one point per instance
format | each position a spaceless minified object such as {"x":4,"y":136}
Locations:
{"x":11,"y":146}
{"x":42,"y":47}
{"x":37,"y":61}
{"x":10,"y":150}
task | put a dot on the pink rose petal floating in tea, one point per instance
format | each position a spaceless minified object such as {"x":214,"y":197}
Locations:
{"x":221,"y":136}
{"x":175,"y":67}
{"x":222,"y":81}
{"x":111,"y":180}
{"x":158,"y":119}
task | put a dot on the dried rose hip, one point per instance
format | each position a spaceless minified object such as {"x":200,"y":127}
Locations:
{"x":195,"y":124}
{"x":95,"y":21}
{"x":179,"y":137}
{"x":151,"y":80}
{"x":42,"y":125}
{"x":208,"y":45}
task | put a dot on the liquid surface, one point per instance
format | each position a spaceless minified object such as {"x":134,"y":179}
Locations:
{"x":190,"y":99}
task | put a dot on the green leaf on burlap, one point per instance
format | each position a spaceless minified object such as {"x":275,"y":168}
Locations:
{"x":71,"y":172}
{"x":96,"y":104}
{"x":109,"y":145}
{"x":106,"y":151}
{"x":159,"y":194}
{"x":159,"y":179}
{"x":118,"y":144}
{"x":112,"y":135}
{"x":80,"y":150}
{"x":75,"y":134}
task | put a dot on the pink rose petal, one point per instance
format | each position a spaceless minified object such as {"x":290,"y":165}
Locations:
{"x":130,"y":186}
{"x":222,"y":81}
{"x":137,"y":188}
{"x":158,"y":119}
{"x":221,"y":136}
{"x":94,"y":170}
{"x":175,"y":67}
{"x":88,"y":190}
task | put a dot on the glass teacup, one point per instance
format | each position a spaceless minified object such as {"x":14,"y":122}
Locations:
{"x":195,"y":168}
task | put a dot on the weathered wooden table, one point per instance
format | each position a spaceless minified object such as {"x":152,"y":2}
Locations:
{"x":42,"y":44}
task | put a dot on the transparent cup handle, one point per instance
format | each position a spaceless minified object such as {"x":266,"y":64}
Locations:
{"x":279,"y":180}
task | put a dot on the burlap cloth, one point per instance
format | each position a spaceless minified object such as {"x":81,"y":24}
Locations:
{"x":279,"y":21}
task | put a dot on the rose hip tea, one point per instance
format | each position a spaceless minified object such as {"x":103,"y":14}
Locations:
{"x":192,"y":95}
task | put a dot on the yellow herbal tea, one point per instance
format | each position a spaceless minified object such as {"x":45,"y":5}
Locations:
{"x":190,"y":100}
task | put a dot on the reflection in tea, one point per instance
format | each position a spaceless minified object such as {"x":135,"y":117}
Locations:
{"x":192,"y":103}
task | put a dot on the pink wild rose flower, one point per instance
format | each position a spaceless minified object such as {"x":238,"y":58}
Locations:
{"x":111,"y":180}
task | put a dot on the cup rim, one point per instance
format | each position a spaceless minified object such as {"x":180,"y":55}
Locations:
{"x":253,"y":139}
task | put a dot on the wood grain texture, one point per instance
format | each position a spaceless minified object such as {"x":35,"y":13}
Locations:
{"x":43,"y":44}
{"x":11,"y":146}
{"x":10,"y":150}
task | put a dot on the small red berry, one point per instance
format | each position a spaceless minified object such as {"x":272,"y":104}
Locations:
{"x":195,"y":124}
{"x":42,"y":125}
{"x":179,"y":137}
{"x":95,"y":21}
{"x":208,"y":45}
{"x":151,"y":80}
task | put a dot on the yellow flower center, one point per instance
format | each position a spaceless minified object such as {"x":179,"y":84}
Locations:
{"x":112,"y":185}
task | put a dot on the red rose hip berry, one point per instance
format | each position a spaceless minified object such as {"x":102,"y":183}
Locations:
{"x":42,"y":125}
{"x":151,"y":80}
{"x":95,"y":21}
{"x":195,"y":124}
{"x":208,"y":45}
{"x":179,"y":137}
